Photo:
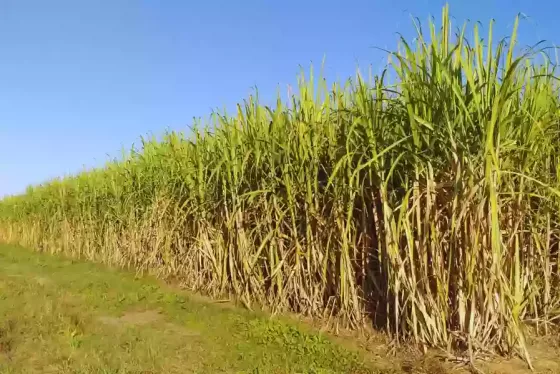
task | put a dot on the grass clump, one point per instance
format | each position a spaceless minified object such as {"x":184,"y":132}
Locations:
{"x":429,"y":204}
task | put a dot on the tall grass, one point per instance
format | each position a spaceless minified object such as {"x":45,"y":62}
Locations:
{"x":429,"y":206}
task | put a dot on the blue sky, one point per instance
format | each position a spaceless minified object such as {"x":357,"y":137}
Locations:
{"x":79,"y":80}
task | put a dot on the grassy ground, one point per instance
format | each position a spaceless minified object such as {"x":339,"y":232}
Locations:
{"x":65,"y":316}
{"x":62,"y":316}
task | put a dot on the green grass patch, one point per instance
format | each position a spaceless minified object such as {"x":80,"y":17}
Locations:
{"x":64,"y":316}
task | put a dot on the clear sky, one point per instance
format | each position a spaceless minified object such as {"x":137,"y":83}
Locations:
{"x":79,"y":80}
